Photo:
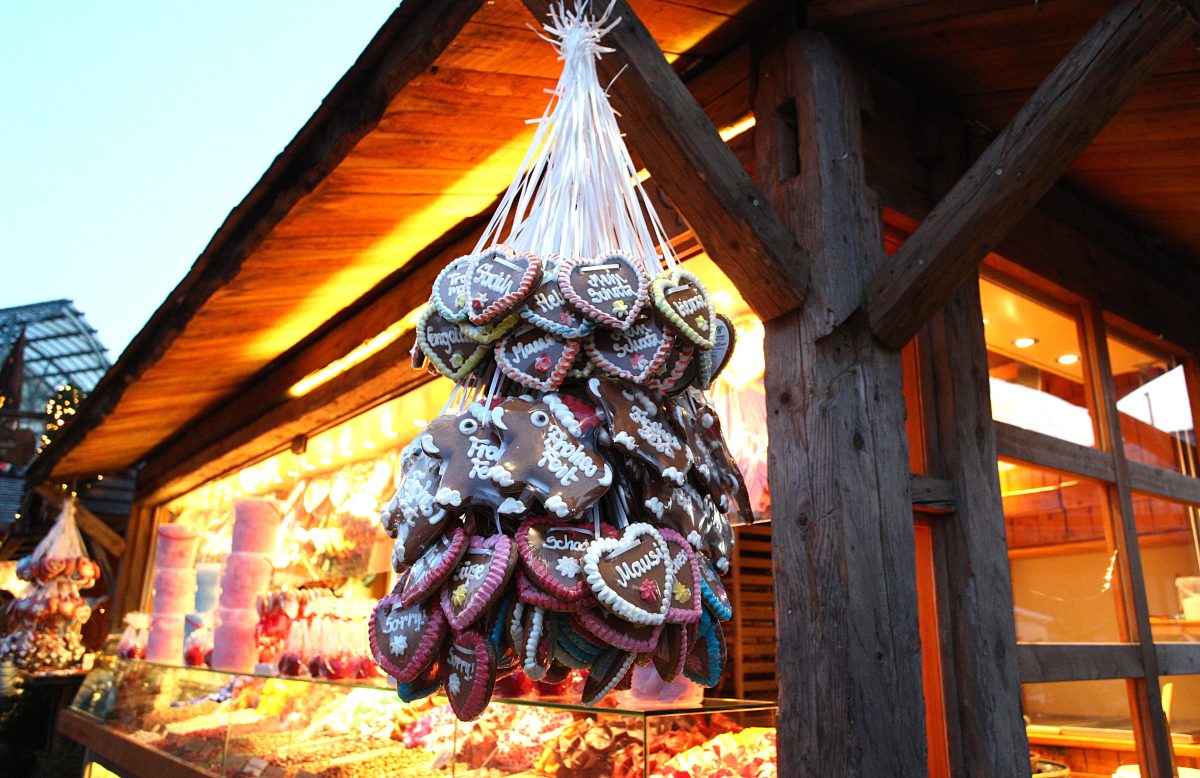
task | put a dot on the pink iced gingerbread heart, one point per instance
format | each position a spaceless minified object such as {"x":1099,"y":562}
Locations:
{"x":610,"y":289}
{"x":552,"y":552}
{"x":500,"y":281}
{"x":535,"y":358}
{"x":634,"y":354}
{"x":403,"y":639}
{"x":469,"y":674}
{"x":433,"y":566}
{"x":479,"y":579}
{"x":685,"y":592}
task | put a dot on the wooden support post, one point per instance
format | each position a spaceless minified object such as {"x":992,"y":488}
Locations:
{"x":975,"y":577}
{"x":684,"y":153}
{"x":1066,"y":112}
{"x":849,"y":663}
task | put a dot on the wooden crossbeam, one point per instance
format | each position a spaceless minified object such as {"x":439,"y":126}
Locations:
{"x":684,"y":153}
{"x":1062,"y":117}
{"x":89,"y":523}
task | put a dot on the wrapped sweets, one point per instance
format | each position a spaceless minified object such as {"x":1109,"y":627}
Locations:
{"x":235,"y":646}
{"x":174,"y":591}
{"x":165,"y":643}
{"x":247,"y":574}
{"x":255,"y":526}
{"x":569,"y":509}
{"x":176,"y":548}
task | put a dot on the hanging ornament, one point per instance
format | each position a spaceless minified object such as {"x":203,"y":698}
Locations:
{"x":567,"y":510}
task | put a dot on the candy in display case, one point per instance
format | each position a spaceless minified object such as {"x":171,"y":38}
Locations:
{"x":144,"y":718}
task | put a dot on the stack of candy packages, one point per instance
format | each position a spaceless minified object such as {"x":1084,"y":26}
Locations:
{"x":45,"y":623}
{"x":570,"y":508}
{"x":247,"y":575}
{"x":174,"y":591}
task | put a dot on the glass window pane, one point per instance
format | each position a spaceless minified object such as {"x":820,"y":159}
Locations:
{"x":1062,"y":566}
{"x":1035,"y":364}
{"x":1082,"y":725}
{"x":1154,"y":406}
{"x":1181,"y":702}
{"x":1170,"y":566}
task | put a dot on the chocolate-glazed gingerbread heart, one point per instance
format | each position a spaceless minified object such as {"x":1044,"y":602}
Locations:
{"x":552,"y":552}
{"x":535,"y":358}
{"x":468,"y":447}
{"x":685,"y":592}
{"x":412,"y":517}
{"x":500,"y":281}
{"x":450,"y":288}
{"x":447,"y":347}
{"x":706,"y":657}
{"x":479,"y":580}
{"x":714,"y":361}
{"x":637,"y":426}
{"x":678,"y":373}
{"x":547,"y":307}
{"x":404,"y":640}
{"x":606,"y":673}
{"x":716,"y":599}
{"x":433,"y":566}
{"x":610,"y":289}
{"x":671,"y":652}
{"x":633,"y":354}
{"x":631,"y":575}
{"x":469,"y":674}
{"x":542,"y":454}
{"x":683,"y":300}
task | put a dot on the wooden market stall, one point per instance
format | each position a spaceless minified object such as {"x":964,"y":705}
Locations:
{"x":849,"y":167}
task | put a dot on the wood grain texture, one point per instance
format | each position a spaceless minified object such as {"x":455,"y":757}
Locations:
{"x":976,"y":579}
{"x":1054,"y":662}
{"x":680,"y":147}
{"x":121,"y":750}
{"x":1050,"y":453}
{"x":1070,"y":108}
{"x":933,"y":495}
{"x":844,"y":553}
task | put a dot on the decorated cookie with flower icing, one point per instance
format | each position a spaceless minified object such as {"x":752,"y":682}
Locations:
{"x":500,"y":281}
{"x":535,"y":358}
{"x":552,"y":553}
{"x":636,"y":426}
{"x":682,"y":299}
{"x":469,"y":674}
{"x":404,"y":640}
{"x":631,"y":575}
{"x":543,"y":454}
{"x":450,"y":288}
{"x":479,"y":580}
{"x":686,"y":596}
{"x":547,"y":308}
{"x":433,"y":566}
{"x":610,"y":289}
{"x":447,"y":347}
{"x":634,"y":354}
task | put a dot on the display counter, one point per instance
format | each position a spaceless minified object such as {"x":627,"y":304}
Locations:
{"x":141,"y":718}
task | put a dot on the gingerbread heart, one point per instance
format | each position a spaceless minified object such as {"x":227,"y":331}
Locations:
{"x":547,"y":308}
{"x":715,"y":598}
{"x":468,"y":447}
{"x":405,"y":639}
{"x":552,"y":553}
{"x":500,"y":281}
{"x":671,"y":652}
{"x":446,"y":346}
{"x":686,"y":596}
{"x":706,"y":657}
{"x":536,"y":649}
{"x":479,"y":580}
{"x":679,"y":372}
{"x":712,"y":362}
{"x":450,"y":288}
{"x":492,"y":331}
{"x":528,"y":592}
{"x":424,"y":685}
{"x":637,"y":426}
{"x":433,"y":566}
{"x":610,"y":289}
{"x":610,"y":629}
{"x":542,"y":454}
{"x":607,"y":671}
{"x":682,"y":299}
{"x":575,"y":645}
{"x":469,"y":675}
{"x":534,"y":358}
{"x":633,"y":354}
{"x":631,"y":575}
{"x":412,"y":517}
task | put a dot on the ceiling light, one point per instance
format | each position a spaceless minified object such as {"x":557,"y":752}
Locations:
{"x":1024,"y":342}
{"x":1068,"y":359}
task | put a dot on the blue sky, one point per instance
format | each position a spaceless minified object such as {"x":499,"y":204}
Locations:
{"x":129,"y":130}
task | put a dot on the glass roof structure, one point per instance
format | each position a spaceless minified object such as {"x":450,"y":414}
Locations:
{"x":61,"y":348}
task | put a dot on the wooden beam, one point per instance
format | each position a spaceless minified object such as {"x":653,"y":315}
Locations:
{"x":408,"y":43}
{"x":975,"y":576}
{"x":1178,"y":658}
{"x":681,"y":148}
{"x":932,"y":495}
{"x":849,"y":652}
{"x":1053,"y":662}
{"x":1066,"y":112}
{"x":1164,"y":483}
{"x":1051,"y":453}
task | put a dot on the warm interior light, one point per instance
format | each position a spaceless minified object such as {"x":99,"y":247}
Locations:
{"x":356,"y":355}
{"x":1067,"y":359}
{"x":1024,"y":342}
{"x":727,"y":133}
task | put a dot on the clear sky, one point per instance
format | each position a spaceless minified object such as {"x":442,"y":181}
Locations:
{"x":129,"y":130}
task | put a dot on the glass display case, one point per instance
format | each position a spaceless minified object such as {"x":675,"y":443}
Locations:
{"x":130,"y":713}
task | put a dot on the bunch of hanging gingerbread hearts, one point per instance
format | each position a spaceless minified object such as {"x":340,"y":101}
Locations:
{"x":544,"y":319}
{"x":581,"y":529}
